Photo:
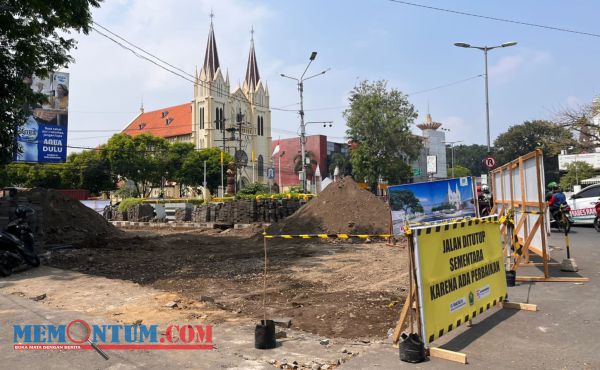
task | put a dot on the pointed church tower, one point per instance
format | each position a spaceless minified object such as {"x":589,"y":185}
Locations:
{"x":210,"y":111}
{"x":211,"y":57}
{"x":252,"y":75}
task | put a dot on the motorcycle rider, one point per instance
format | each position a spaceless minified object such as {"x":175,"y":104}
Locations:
{"x":484,"y":198}
{"x":556,"y":200}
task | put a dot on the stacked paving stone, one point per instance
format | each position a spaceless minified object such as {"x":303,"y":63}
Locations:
{"x":228,"y":213}
{"x":244,"y":212}
{"x":140,"y":213}
{"x":183,"y":214}
{"x":225,"y":213}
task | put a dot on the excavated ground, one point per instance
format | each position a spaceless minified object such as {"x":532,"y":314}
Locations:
{"x":347,"y":290}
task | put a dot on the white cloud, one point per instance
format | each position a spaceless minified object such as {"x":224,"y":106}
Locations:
{"x":573,"y":102}
{"x":507,"y":67}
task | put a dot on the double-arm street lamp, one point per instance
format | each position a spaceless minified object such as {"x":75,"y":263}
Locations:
{"x":300,"y":82}
{"x":451,"y":143}
{"x":485,"y":50}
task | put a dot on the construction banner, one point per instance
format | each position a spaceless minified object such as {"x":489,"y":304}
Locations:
{"x":460,"y":273}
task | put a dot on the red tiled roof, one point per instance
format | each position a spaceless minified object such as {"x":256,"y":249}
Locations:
{"x":155,"y":122}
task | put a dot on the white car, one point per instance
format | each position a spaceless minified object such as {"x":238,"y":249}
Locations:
{"x":583,"y":204}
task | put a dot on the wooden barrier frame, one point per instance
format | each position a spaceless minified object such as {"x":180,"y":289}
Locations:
{"x":505,"y":199}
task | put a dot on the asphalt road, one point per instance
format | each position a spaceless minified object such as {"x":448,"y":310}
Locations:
{"x":563,"y":334}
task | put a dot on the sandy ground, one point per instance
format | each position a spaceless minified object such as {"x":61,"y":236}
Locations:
{"x":345,"y":290}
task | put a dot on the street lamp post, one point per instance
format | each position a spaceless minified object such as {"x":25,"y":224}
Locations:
{"x":451,"y":143}
{"x":485,"y":50}
{"x":300,"y":82}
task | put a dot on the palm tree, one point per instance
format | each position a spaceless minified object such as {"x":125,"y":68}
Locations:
{"x":342,"y":162}
{"x":310,"y":171}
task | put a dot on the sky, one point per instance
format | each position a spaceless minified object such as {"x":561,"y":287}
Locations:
{"x":409,"y":47}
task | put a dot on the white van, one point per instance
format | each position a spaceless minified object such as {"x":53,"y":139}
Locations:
{"x":583,"y":204}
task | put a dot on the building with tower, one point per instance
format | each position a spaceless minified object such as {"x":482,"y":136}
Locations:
{"x":238,"y":121}
{"x":433,"y":144}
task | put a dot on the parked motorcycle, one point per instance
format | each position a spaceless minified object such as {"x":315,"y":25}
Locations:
{"x":17,"y":244}
{"x":597,"y":219}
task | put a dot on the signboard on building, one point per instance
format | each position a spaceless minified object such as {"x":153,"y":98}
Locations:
{"x":43,"y":136}
{"x":431,"y":201}
{"x":460,"y":273}
{"x":592,"y":159}
{"x":431,"y":164}
{"x":270,"y":173}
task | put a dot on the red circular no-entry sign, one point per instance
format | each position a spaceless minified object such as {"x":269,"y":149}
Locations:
{"x":489,"y":162}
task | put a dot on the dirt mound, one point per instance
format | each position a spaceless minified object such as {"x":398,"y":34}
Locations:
{"x":342,"y":207}
{"x":68,"y":221}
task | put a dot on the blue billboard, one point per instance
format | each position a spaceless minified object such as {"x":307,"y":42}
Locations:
{"x":432,"y":201}
{"x":43,"y":137}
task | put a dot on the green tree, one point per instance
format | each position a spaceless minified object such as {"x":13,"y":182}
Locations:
{"x":530,"y":135}
{"x":34,"y":38}
{"x":176,"y":154}
{"x":405,"y":200}
{"x":459,"y":171}
{"x":379,"y":121}
{"x":90,"y":170}
{"x":140,"y":159}
{"x":342,"y":162}
{"x":576,"y":172}
{"x":469,"y":156}
{"x":192,"y":168}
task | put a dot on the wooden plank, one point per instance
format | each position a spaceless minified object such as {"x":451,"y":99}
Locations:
{"x":445,"y":354}
{"x":539,"y":264}
{"x":552,"y":279}
{"x":541,"y":204}
{"x":519,"y":306}
{"x":402,"y":320}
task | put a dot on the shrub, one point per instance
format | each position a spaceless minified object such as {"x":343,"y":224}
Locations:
{"x":128,"y":203}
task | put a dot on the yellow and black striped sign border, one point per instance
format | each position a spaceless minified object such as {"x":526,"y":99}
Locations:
{"x":437,"y":335}
{"x":455,"y":225}
{"x":327,"y":236}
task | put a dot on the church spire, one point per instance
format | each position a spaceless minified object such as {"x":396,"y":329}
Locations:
{"x":211,"y":57}
{"x":252,"y":76}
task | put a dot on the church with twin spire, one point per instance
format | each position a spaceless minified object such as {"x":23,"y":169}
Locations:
{"x":237,"y":120}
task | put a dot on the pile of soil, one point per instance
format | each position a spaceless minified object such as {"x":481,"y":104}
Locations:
{"x":67,"y":221}
{"x":343,"y":207}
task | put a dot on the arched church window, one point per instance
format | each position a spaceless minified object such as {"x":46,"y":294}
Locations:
{"x":261,"y":166}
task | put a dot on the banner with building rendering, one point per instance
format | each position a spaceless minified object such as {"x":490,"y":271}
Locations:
{"x":432,"y":201}
{"x":43,"y":136}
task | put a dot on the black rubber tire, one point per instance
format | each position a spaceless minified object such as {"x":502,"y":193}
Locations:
{"x":5,"y":270}
{"x":597,"y":224}
{"x":33,"y":261}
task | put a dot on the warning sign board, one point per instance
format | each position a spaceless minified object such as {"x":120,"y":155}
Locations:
{"x":460,"y":273}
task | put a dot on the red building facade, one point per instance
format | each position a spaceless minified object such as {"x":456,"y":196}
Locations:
{"x":289,"y":151}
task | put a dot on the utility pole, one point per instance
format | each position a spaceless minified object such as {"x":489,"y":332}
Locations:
{"x":280,"y":184}
{"x":204,"y":183}
{"x":300,"y":82}
{"x":302,"y":132}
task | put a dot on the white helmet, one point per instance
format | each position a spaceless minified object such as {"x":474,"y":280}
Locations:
{"x":484,"y":187}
